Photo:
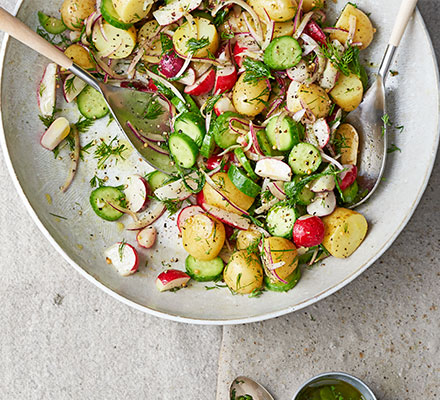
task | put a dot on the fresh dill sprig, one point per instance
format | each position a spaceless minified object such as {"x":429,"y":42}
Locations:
{"x":197,"y":44}
{"x":104,"y":151}
{"x":121,"y":249}
{"x":47,"y":121}
{"x":69,"y":84}
{"x":96,"y":181}
{"x":153,"y":109}
{"x":166,"y":42}
{"x":255,"y":70}
{"x":84,"y":124}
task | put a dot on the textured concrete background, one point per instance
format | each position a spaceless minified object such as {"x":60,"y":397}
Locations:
{"x":62,"y":338}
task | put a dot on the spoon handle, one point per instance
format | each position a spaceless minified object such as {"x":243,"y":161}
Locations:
{"x":18,"y":30}
{"x":406,"y":10}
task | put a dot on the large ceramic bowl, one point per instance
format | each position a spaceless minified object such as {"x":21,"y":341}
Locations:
{"x":413,"y":99}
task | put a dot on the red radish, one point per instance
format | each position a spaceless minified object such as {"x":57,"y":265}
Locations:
{"x":229,"y":231}
{"x":200,"y":199}
{"x":124,"y":258}
{"x":186,"y":213}
{"x":323,"y":204}
{"x":72,"y":87}
{"x":315,"y":32}
{"x":147,"y":237}
{"x":176,"y":190}
{"x":170,"y":64}
{"x":347,"y":177}
{"x":152,"y":86}
{"x":137,"y":192}
{"x":244,"y":43}
{"x":274,"y":169}
{"x":223,"y":105}
{"x":299,"y":73}
{"x":214,"y":162}
{"x":321,"y":130}
{"x":203,"y":85}
{"x":225,"y":79}
{"x":188,"y":77}
{"x":325,"y":183}
{"x":46,"y":90}
{"x":171,"y":279}
{"x":149,"y":217}
{"x":308,"y":231}
{"x":229,"y":218}
{"x":55,"y":134}
{"x":276,"y":188}
{"x":329,"y":77}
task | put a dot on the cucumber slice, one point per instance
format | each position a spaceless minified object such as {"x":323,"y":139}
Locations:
{"x":183,"y":149}
{"x":208,"y":145}
{"x":265,"y":145}
{"x":192,"y":125}
{"x":351,"y":193}
{"x":242,"y":182}
{"x":306,"y":196}
{"x":99,"y":198}
{"x":52,"y":25}
{"x":285,"y":134}
{"x":282,"y":53}
{"x":292,"y":280}
{"x":189,"y":105}
{"x":280,"y":220}
{"x":111,"y":16}
{"x":242,"y":159}
{"x":179,"y":104}
{"x":157,"y":179}
{"x":223,"y":135}
{"x":204,"y":271}
{"x":304,"y":159}
{"x":91,"y":103}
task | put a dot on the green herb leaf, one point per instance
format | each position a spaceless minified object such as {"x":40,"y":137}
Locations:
{"x":153,"y":109}
{"x":84,"y":124}
{"x":104,"y":151}
{"x":197,"y":44}
{"x":166,"y":42}
{"x":255,"y":70}
{"x":393,"y":148}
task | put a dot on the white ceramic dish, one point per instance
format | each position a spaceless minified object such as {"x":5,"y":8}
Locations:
{"x":413,"y":101}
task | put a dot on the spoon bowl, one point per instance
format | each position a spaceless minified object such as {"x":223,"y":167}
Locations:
{"x":242,"y":386}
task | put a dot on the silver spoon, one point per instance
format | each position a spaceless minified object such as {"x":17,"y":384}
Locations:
{"x":242,"y":386}
{"x":368,"y":118}
{"x":126,"y":105}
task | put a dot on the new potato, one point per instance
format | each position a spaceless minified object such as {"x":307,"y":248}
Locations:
{"x":345,"y":230}
{"x":228,"y":189}
{"x":309,"y":5}
{"x":203,"y":237}
{"x":80,"y":56}
{"x":281,"y":250}
{"x":348,"y":92}
{"x":278,"y":10}
{"x":248,"y":239}
{"x":249,"y":98}
{"x":312,"y":97}
{"x":74,"y":12}
{"x":145,"y":34}
{"x":348,"y":144}
{"x":131,"y":11}
{"x":364,"y":29}
{"x":244,"y":273}
{"x":119,"y":44}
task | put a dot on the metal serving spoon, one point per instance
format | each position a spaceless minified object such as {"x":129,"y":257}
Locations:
{"x":368,"y":118}
{"x":126,"y":105}
{"x":242,"y":386}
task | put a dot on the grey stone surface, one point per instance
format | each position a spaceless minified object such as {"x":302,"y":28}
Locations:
{"x":61,"y":337}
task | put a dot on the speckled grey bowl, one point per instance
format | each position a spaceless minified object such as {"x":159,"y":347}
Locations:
{"x":413,"y":100}
{"x":340,"y":376}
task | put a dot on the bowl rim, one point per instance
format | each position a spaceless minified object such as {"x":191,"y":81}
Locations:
{"x":197,"y":321}
{"x":341,"y":376}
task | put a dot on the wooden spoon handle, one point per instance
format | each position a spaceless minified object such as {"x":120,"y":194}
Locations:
{"x":18,"y":30}
{"x":406,"y":10}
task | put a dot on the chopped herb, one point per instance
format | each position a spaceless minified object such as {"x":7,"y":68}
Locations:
{"x":104,"y":151}
{"x":84,"y":124}
{"x":237,"y":283}
{"x":96,"y":181}
{"x":153,"y":109}
{"x":58,"y":216}
{"x":255,"y":70}
{"x":85,"y":149}
{"x":197,"y":44}
{"x":121,"y":249}
{"x":221,"y":16}
{"x":257,"y":292}
{"x":216,"y":286}
{"x":171,"y":205}
{"x":166,"y":42}
{"x":47,"y":121}
{"x":227,"y":35}
{"x":69,"y":85}
{"x":56,"y":40}
{"x":401,"y":128}
{"x":210,"y":103}
{"x":393,"y":148}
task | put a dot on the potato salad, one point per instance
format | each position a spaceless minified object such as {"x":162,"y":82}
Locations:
{"x":254,"y":95}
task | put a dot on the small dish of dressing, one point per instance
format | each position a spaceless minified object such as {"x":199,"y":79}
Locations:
{"x":334,"y":386}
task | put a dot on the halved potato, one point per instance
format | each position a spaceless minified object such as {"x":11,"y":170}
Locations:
{"x":203,"y":237}
{"x":250,"y":98}
{"x":348,"y":92}
{"x":146,"y":33}
{"x":229,"y":190}
{"x":119,"y":44}
{"x":283,"y":29}
{"x":248,"y":239}
{"x":74,"y":12}
{"x":281,"y":251}
{"x":131,"y":11}
{"x":80,"y":56}
{"x":364,"y":28}
{"x":309,"y":5}
{"x":278,"y":10}
{"x":313,"y":97}
{"x":244,"y":273}
{"x":201,"y":28}
{"x":347,"y":143}
{"x":345,"y":230}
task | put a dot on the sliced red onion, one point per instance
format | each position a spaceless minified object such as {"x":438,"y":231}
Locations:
{"x":184,"y":66}
{"x":269,"y":31}
{"x":298,"y":15}
{"x":74,"y":163}
{"x":302,"y":25}
{"x":276,"y":191}
{"x":266,"y":206}
{"x":256,"y":145}
{"x":124,"y":211}
{"x":101,"y":28}
{"x":319,"y":16}
{"x":331,"y":160}
{"x":149,"y":217}
{"x":351,"y":32}
{"x":333,"y":29}
{"x":166,"y":83}
{"x":90,"y":20}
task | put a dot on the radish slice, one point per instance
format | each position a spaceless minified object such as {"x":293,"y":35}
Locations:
{"x":323,"y":184}
{"x":274,"y":169}
{"x":57,"y":132}
{"x":72,"y":87}
{"x":299,"y":73}
{"x":348,"y":176}
{"x":171,"y":279}
{"x":308,"y":231}
{"x":46,"y":90}
{"x":149,"y":217}
{"x":147,"y":237}
{"x":292,"y":95}
{"x":223,"y":105}
{"x":234,"y":220}
{"x":176,"y":190}
{"x":175,"y":10}
{"x":74,"y":161}
{"x":137,"y":193}
{"x":321,"y":130}
{"x":329,"y":77}
{"x":124,"y":258}
{"x":186,"y":213}
{"x":189,"y":77}
{"x":276,"y":188}
{"x":225,"y":79}
{"x":323,"y":204}
{"x":203,"y":85}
